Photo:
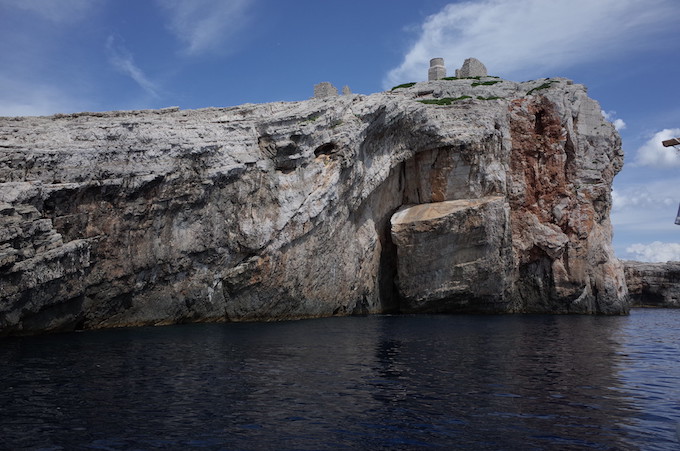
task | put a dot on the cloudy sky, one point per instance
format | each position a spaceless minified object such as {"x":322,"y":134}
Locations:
{"x":94,"y":55}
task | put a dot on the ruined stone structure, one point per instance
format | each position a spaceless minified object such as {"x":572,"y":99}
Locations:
{"x":346,"y":91}
{"x":472,"y":67}
{"x":485,"y":199}
{"x":437,"y":70}
{"x":324,"y":89}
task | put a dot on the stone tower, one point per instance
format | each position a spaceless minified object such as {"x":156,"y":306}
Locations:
{"x":437,"y":69}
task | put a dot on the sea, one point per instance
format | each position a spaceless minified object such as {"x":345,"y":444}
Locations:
{"x":494,"y":382}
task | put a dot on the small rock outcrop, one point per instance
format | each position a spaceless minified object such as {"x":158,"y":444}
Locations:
{"x":653,"y":284}
{"x":442,"y":196}
{"x":472,"y":67}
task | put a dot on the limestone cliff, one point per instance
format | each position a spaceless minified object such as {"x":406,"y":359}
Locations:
{"x":500,"y":193}
{"x":653,"y":284}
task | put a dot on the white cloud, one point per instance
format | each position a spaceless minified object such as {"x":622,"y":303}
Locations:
{"x":654,"y":252}
{"x":206,"y":26}
{"x":619,"y":124}
{"x":527,"y":38}
{"x":123,"y":61}
{"x":58,"y":11}
{"x":658,"y":195}
{"x":654,"y":154}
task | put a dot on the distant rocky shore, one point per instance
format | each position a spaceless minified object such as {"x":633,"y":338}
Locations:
{"x":452,"y":195}
{"x":653,"y":284}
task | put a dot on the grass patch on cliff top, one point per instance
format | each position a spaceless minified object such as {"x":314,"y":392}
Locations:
{"x":405,"y":85}
{"x":443,"y":100}
{"x":478,"y":77}
{"x":545,"y":85}
{"x":489,"y":98}
{"x":485,"y":83}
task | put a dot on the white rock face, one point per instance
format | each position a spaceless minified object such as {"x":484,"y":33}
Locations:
{"x":282,"y":210}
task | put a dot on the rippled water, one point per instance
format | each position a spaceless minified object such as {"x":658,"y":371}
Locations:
{"x":471,"y":382}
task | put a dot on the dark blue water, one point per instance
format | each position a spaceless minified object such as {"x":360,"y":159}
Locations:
{"x":455,"y":382}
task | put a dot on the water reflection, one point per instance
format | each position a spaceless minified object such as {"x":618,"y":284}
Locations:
{"x":494,"y":382}
{"x":517,"y":382}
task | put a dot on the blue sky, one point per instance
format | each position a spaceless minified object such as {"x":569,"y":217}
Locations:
{"x":59,"y":56}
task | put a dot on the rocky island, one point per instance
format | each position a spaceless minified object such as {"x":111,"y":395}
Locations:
{"x":460,"y":194}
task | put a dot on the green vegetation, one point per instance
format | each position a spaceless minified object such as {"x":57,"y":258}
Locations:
{"x":489,"y":98}
{"x":405,"y":85}
{"x":545,"y":85}
{"x":485,"y":83}
{"x":312,"y":118}
{"x":443,"y":100}
{"x":472,"y":78}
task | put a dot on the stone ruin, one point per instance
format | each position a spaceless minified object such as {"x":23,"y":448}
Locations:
{"x":437,"y":69}
{"x":325,"y":89}
{"x":472,"y":67}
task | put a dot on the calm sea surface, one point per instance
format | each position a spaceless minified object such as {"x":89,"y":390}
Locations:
{"x":382,"y":382}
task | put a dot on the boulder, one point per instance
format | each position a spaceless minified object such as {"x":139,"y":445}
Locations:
{"x":454,"y":256}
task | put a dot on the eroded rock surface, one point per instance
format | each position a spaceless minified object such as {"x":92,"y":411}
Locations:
{"x":282,"y":210}
{"x":653,"y":284}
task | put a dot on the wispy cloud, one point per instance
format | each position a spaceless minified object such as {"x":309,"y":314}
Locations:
{"x":61,"y":11}
{"x":658,"y":198}
{"x":206,"y":26}
{"x":654,"y":252}
{"x":645,"y":209}
{"x":654,"y":195}
{"x":122,"y":60}
{"x":527,"y":38}
{"x":654,"y":154}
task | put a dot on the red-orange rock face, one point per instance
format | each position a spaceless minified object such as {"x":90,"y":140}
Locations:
{"x":562,"y":164}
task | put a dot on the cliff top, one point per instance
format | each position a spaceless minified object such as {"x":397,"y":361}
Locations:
{"x":440,"y":92}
